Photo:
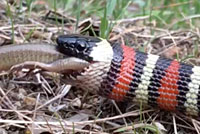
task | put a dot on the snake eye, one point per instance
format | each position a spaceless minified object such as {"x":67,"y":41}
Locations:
{"x":81,"y":46}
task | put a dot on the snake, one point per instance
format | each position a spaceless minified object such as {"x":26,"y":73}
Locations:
{"x":121,"y":73}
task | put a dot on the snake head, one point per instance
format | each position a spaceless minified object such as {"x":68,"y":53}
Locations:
{"x":98,"y":52}
{"x":91,"y":49}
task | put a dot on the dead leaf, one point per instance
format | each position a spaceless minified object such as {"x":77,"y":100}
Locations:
{"x":76,"y":102}
{"x":160,"y":126}
{"x":172,"y":51}
{"x":29,"y":101}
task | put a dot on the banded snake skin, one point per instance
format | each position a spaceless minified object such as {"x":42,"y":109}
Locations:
{"x":121,"y":73}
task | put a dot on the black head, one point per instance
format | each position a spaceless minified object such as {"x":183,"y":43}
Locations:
{"x":77,"y":45}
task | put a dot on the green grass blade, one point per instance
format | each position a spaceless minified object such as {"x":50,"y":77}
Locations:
{"x":110,"y":7}
{"x":78,"y":14}
{"x":10,"y":15}
{"x":104,"y":25}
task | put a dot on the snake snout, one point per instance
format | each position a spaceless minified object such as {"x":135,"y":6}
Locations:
{"x":79,"y":47}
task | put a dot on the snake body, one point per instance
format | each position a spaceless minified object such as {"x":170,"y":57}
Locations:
{"x":121,"y":73}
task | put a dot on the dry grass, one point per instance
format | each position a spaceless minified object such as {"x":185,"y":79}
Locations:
{"x":40,"y":105}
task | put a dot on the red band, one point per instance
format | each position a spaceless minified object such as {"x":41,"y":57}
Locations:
{"x":169,"y":87}
{"x":126,"y":74}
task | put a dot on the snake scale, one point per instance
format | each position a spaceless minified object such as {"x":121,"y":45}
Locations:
{"x":121,"y":73}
